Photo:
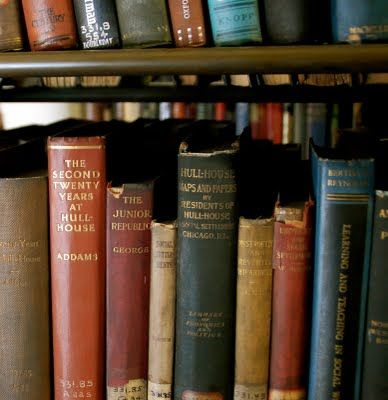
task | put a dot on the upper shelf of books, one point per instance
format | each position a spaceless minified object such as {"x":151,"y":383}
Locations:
{"x":201,"y":61}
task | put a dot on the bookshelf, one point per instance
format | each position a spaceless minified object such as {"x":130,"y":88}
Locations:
{"x":356,"y":60}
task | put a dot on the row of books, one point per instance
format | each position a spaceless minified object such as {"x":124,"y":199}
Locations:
{"x":96,"y":24}
{"x":196,"y":258}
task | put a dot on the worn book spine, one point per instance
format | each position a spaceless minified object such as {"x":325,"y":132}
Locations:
{"x":77,"y":227}
{"x":274,"y":122}
{"x":24,"y":294}
{"x":188,"y":23}
{"x":289,"y":21}
{"x":375,"y":365}
{"x":357,"y":21}
{"x":344,"y":192}
{"x":129,"y":215}
{"x":235,"y":23}
{"x":207,"y":224}
{"x":143,"y":23}
{"x":11,"y":36}
{"x":292,"y":260}
{"x":253,"y":310}
{"x":97,"y":23}
{"x":162,"y":310}
{"x":50,"y":24}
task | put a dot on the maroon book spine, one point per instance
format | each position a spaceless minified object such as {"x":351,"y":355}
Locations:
{"x":129,"y":215}
{"x":291,"y":276}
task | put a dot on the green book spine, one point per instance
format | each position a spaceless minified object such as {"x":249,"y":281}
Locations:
{"x":206,"y":269}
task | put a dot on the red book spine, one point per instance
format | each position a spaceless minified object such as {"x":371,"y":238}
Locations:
{"x":220,"y":111}
{"x":179,"y":110}
{"x":77,"y":227}
{"x":258,"y":121}
{"x":274,"y":122}
{"x":129,"y":215}
{"x":289,"y":337}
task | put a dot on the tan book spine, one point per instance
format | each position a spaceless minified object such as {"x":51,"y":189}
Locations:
{"x":10,"y":25}
{"x":162,"y":310}
{"x":24,"y":290}
{"x":253,"y":311}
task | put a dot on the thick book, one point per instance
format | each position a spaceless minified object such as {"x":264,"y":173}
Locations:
{"x":50,"y":24}
{"x":317,"y":123}
{"x":11,"y":33}
{"x":358,"y":21}
{"x":343,"y":186}
{"x":143,"y":23}
{"x":206,"y":267}
{"x":253,"y":309}
{"x":235,"y":23}
{"x":375,"y":364}
{"x":162,"y":310}
{"x":77,"y":227}
{"x":97,"y":23}
{"x":188,"y":23}
{"x":128,"y":216}
{"x":24,"y":295}
{"x":292,"y":261}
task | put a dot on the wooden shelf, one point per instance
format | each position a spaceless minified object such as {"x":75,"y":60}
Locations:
{"x":238,"y":60}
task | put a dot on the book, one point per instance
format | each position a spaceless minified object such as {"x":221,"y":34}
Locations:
{"x":143,"y":23}
{"x":292,"y":262}
{"x":373,"y":366}
{"x":188,"y":23}
{"x":317,"y":123}
{"x":234,"y":23}
{"x":11,"y":33}
{"x":50,"y":24}
{"x":289,"y":21}
{"x":24,"y":295}
{"x":374,"y":384}
{"x":77,"y":227}
{"x":162,"y":310}
{"x":343,"y":186}
{"x":274,"y":122}
{"x":97,"y":24}
{"x":357,"y":21}
{"x":288,"y":123}
{"x":207,"y":223}
{"x":129,"y":215}
{"x":241,"y":116}
{"x":253,"y":309}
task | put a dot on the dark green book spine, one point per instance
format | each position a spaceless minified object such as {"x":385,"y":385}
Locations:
{"x":143,"y":23}
{"x":206,"y":270}
{"x":375,"y":370}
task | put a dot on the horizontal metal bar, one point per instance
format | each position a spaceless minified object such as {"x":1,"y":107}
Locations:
{"x":198,"y":94}
{"x":237,"y":60}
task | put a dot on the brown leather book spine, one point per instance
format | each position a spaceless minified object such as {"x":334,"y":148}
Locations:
{"x":10,"y":26}
{"x":292,"y":260}
{"x":188,"y":23}
{"x":50,"y":24}
{"x":253,"y":312}
{"x":162,"y":310}
{"x":129,"y":216}
{"x":24,"y":290}
{"x":77,"y":227}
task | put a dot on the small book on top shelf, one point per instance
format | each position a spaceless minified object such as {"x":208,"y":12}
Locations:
{"x":11,"y":33}
{"x":143,"y":23}
{"x":50,"y":24}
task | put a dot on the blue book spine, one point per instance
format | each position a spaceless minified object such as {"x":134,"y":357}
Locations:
{"x":241,"y":117}
{"x":358,"y":21}
{"x":344,"y":196}
{"x":234,"y":22}
{"x":375,"y":367}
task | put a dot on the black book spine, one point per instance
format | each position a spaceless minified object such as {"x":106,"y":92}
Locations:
{"x":206,"y":269}
{"x":375,"y":369}
{"x":295,"y":21}
{"x":97,"y":23}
